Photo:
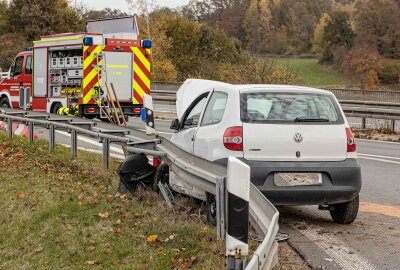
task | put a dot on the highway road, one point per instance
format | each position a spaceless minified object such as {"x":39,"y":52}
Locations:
{"x":373,"y":240}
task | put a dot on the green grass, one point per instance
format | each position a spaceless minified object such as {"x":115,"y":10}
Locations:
{"x":313,"y":74}
{"x":49,"y":218}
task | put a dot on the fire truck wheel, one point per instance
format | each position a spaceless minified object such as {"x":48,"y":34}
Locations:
{"x":4,"y":103}
{"x":56,"y":107}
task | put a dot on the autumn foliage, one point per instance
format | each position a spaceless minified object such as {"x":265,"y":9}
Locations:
{"x":362,"y":66}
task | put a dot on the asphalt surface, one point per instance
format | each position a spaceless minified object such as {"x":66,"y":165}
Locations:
{"x":371,"y":242}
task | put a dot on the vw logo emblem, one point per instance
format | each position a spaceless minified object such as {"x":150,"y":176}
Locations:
{"x":297,"y":137}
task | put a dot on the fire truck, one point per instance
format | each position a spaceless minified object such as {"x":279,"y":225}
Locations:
{"x":72,"y":71}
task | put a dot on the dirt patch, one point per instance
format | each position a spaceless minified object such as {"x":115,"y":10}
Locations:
{"x":289,"y":259}
{"x":382,"y":209}
{"x":377,"y":135}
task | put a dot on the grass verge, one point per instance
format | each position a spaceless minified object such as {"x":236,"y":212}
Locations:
{"x":63,"y":213}
{"x":312,"y":73}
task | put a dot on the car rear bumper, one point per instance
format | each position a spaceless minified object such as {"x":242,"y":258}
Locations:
{"x":341,"y":181}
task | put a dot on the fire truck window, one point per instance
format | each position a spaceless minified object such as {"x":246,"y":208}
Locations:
{"x":19,"y":62}
{"x":28,"y":66}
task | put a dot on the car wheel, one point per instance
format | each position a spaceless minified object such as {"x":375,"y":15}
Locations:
{"x":4,"y":103}
{"x":56,"y":107}
{"x":345,"y":213}
{"x":211,"y":210}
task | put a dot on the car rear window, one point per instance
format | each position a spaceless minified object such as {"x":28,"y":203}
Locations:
{"x":300,"y":108}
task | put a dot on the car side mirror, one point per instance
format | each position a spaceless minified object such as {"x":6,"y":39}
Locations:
{"x":174,"y":124}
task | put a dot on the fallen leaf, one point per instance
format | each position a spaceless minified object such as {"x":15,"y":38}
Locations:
{"x":104,"y":215}
{"x":109,"y":198}
{"x":152,"y":238}
{"x":38,"y":250}
{"x":21,"y":195}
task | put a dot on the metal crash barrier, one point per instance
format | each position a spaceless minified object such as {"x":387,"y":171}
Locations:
{"x":206,"y":175}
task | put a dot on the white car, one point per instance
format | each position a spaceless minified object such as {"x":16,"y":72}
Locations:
{"x":296,"y":140}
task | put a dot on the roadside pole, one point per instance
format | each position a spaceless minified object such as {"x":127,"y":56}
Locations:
{"x":237,"y":221}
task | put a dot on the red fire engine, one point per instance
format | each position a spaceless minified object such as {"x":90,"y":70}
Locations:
{"x":71,"y":71}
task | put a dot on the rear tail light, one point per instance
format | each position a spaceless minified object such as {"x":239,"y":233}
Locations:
{"x":91,"y":110}
{"x":351,"y":142}
{"x":136,"y":110}
{"x":233,"y":139}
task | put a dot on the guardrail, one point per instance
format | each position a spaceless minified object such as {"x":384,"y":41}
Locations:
{"x":195,"y":171}
{"x":205,"y":175}
{"x":74,"y":127}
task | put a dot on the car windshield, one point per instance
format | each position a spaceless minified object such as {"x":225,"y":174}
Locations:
{"x":298,"y":108}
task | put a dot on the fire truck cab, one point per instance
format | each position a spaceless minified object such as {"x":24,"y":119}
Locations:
{"x":71,"y":71}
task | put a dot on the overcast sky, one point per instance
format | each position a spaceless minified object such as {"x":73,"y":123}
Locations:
{"x":122,"y":5}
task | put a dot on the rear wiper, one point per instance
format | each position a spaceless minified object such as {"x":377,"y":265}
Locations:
{"x":306,"y":119}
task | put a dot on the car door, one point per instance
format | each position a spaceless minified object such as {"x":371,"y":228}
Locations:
{"x":184,"y":138}
{"x":208,"y":142}
{"x":15,"y":80}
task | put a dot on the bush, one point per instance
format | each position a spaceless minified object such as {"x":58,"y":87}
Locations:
{"x":390,"y":73}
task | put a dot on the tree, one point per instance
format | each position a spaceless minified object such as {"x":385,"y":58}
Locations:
{"x":42,"y":17}
{"x":377,"y":25}
{"x":3,"y":16}
{"x":318,"y":40}
{"x":338,"y":36}
{"x":362,"y":66}
{"x":144,"y":8}
{"x":11,"y":44}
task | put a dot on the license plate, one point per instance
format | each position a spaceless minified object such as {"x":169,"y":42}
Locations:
{"x":297,"y":179}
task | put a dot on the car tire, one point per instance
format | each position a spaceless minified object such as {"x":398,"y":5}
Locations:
{"x":345,"y":213}
{"x":4,"y":103}
{"x":56,"y":107}
{"x":211,"y":209}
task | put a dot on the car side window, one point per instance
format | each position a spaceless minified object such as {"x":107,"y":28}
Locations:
{"x":28,"y":66}
{"x":17,"y":67}
{"x":215,"y":109}
{"x":193,"y":116}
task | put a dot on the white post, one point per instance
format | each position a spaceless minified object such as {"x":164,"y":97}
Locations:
{"x":237,"y":232}
{"x":149,"y":114}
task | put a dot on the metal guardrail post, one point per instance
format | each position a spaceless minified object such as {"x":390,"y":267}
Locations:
{"x":52,"y":137}
{"x":31,"y":131}
{"x":106,"y":153}
{"x":74,"y":143}
{"x":10,"y":128}
{"x":221,"y":202}
{"x":238,"y":196}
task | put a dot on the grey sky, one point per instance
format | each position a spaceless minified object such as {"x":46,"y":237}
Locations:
{"x":122,"y":5}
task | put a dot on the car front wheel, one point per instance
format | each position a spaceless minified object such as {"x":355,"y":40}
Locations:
{"x":345,"y":213}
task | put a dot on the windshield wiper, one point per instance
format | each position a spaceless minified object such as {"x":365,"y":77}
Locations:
{"x":307,"y":119}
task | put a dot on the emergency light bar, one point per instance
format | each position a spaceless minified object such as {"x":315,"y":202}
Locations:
{"x":147,"y":43}
{"x":29,"y":49}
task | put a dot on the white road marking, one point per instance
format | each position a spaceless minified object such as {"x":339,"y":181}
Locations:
{"x":381,"y":160}
{"x":376,"y":156}
{"x":90,"y":141}
{"x":95,"y":151}
{"x":375,"y":141}
{"x":343,"y":255}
